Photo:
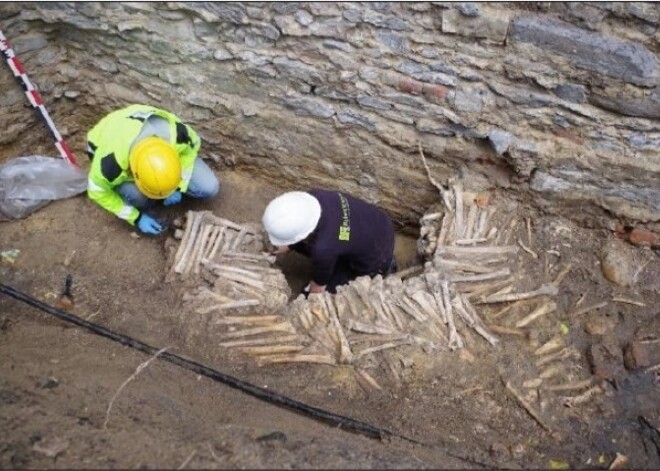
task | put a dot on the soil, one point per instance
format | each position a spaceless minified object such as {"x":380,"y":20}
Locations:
{"x":57,"y":381}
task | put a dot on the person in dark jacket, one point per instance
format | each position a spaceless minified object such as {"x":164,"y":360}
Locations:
{"x":344,"y":236}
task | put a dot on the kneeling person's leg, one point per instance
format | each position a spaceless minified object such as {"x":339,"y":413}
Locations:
{"x":132,"y":195}
{"x":203,"y":183}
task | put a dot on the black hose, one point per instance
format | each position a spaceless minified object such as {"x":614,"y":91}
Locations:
{"x":251,"y":389}
{"x":266,"y":395}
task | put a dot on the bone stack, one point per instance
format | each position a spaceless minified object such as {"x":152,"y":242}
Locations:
{"x":372,"y":323}
{"x":225,"y":264}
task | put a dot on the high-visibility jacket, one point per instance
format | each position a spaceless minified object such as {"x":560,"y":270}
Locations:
{"x":109,"y":144}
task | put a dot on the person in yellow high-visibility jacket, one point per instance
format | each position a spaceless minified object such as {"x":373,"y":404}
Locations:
{"x":141,"y":154}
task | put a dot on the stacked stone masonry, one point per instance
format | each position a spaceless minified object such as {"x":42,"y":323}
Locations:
{"x":556,"y":101}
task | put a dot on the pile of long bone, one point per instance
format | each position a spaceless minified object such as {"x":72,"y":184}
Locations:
{"x":464,"y":250}
{"x":433,"y":311}
{"x":369,"y":322}
{"x":224,"y":264}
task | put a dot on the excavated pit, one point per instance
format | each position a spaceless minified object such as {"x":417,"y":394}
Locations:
{"x":572,"y":379}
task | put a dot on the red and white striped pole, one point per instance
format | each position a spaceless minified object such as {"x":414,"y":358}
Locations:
{"x":35,"y":98}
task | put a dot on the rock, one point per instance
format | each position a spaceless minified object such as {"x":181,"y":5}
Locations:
{"x":572,"y":92}
{"x":222,"y":55}
{"x":468,"y":8}
{"x":352,"y":16}
{"x":310,"y":107}
{"x":435,"y":93}
{"x":393,"y":41}
{"x":286,"y":8}
{"x":267,"y":31}
{"x":232,"y":13}
{"x":637,"y":354}
{"x":349,"y":116}
{"x":51,"y":447}
{"x":500,"y":140}
{"x":606,"y":359}
{"x":50,"y":383}
{"x":625,"y":60}
{"x":644,"y":238}
{"x":437,"y":78}
{"x":371,"y":102}
{"x":340,"y":45}
{"x":643,"y":350}
{"x":518,"y":450}
{"x":617,"y":263}
{"x":410,"y":67}
{"x":499,"y":451}
{"x":384,"y":21}
{"x":303,"y":17}
{"x":72,"y":94}
{"x":643,"y":142}
{"x":600,"y":325}
{"x":638,"y":200}
{"x":329,"y":28}
{"x":298,"y":70}
{"x":469,"y":99}
{"x":273,"y":436}
{"x":28,"y":42}
{"x":586,"y":14}
{"x":641,"y":107}
{"x":492,"y":26}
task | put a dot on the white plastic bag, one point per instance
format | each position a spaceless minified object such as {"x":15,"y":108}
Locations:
{"x":30,"y":183}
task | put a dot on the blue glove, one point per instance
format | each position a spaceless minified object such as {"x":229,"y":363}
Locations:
{"x":174,"y":198}
{"x":148,"y":225}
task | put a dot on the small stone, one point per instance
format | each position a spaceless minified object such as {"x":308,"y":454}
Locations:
{"x":51,"y":447}
{"x":499,"y":451}
{"x":274,"y":436}
{"x":617,"y":263}
{"x":518,"y":450}
{"x":304,"y":18}
{"x":468,"y":8}
{"x":500,"y":140}
{"x":71,"y":94}
{"x":435,"y":91}
{"x":636,"y":355}
{"x":606,"y":359}
{"x":222,"y":55}
{"x":135,"y":235}
{"x":469,"y":99}
{"x":29,"y":42}
{"x":645,"y":238}
{"x":347,"y":75}
{"x":599,"y":326}
{"x":571,"y":92}
{"x":51,"y":383}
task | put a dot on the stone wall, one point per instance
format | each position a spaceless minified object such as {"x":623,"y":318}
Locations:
{"x":556,"y":103}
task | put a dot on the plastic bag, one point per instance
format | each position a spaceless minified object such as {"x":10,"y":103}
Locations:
{"x":30,"y":183}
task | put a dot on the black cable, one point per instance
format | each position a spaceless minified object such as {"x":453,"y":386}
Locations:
{"x":255,"y":391}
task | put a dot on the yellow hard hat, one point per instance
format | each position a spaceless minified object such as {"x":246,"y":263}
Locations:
{"x":156,"y":167}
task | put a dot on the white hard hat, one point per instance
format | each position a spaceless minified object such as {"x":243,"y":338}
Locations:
{"x":291,"y":217}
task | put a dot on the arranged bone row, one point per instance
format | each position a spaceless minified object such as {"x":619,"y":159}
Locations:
{"x":470,"y":267}
{"x":365,"y":318}
{"x":225,"y":263}
{"x":462,"y":248}
{"x":380,"y":317}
